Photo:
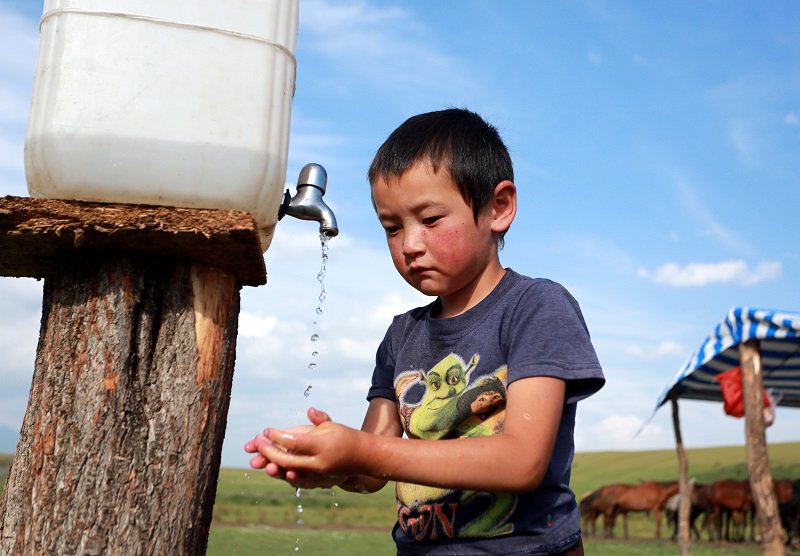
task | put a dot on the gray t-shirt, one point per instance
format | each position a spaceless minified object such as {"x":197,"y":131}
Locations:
{"x":449,"y":379}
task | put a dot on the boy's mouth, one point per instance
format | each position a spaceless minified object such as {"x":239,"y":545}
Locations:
{"x":417,"y":269}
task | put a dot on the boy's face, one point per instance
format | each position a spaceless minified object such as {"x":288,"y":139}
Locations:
{"x":435,"y":242}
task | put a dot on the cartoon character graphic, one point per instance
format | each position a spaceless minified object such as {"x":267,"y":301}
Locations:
{"x":445,"y":402}
{"x":484,"y":402}
{"x":434,"y":416}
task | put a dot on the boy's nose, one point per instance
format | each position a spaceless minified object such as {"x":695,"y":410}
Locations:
{"x":413,"y":242}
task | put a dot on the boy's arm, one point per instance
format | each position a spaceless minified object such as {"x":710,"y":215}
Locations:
{"x":513,"y":461}
{"x":381,"y":419}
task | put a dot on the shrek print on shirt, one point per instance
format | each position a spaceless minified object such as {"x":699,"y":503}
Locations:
{"x":447,"y":402}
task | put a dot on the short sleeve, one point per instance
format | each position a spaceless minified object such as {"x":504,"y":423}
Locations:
{"x":548,"y":337}
{"x":383,"y":374}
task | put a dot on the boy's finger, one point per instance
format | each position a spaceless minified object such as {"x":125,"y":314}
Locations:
{"x":275,"y":471}
{"x":317,"y":417}
{"x":250,"y":446}
{"x":283,"y":440}
{"x":257,"y":462}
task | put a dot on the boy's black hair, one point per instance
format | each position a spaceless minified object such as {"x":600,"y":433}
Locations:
{"x":455,"y":139}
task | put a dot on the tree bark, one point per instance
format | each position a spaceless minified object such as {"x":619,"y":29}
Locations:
{"x":685,"y":489}
{"x":761,"y":483}
{"x":120,"y":447}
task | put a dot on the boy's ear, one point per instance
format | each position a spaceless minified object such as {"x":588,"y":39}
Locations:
{"x":504,"y":205}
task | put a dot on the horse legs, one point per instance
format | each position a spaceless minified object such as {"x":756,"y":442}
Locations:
{"x":658,"y":523}
{"x":625,"y":521}
{"x":672,"y":521}
{"x":717,"y":519}
{"x":696,"y":513}
{"x":608,"y":524}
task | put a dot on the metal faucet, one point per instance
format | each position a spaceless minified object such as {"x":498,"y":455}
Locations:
{"x":307,"y":203}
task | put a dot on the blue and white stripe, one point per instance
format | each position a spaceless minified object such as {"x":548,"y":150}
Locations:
{"x":778,"y":334}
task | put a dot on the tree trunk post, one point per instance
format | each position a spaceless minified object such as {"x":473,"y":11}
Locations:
{"x":685,"y":489}
{"x":761,"y":483}
{"x":120,"y":447}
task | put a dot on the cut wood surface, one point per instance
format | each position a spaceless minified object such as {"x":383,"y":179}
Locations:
{"x":35,"y":233}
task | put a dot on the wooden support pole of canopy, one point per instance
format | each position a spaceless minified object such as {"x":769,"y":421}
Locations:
{"x":120,"y":447}
{"x":761,"y":484}
{"x":684,"y":488}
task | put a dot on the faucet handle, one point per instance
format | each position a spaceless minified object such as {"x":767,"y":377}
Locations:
{"x":313,"y":174}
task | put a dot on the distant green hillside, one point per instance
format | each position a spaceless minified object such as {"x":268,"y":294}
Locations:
{"x":243,"y":495}
{"x":5,"y":463}
{"x":593,"y":469}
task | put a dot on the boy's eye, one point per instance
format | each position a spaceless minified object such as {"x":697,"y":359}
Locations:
{"x":430,"y":220}
{"x":391,"y":230}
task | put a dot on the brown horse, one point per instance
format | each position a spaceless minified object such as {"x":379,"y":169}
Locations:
{"x":601,"y":502}
{"x":649,"y":496}
{"x":734,"y":499}
{"x":589,"y":513}
{"x":787,"y":493}
{"x":700,"y":506}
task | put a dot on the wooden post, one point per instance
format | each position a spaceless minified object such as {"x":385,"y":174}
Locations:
{"x":761,"y":483}
{"x":120,"y":447}
{"x":685,"y":489}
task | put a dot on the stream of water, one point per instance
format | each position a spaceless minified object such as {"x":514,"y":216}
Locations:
{"x":324,"y":240}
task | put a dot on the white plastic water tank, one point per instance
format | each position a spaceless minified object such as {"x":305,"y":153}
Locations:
{"x":169,"y":102}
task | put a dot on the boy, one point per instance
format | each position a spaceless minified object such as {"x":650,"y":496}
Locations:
{"x":484,"y":381}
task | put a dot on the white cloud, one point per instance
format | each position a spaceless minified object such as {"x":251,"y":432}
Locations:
{"x":384,"y":46}
{"x":700,"y":211}
{"x":666,"y":348}
{"x":11,"y":154}
{"x":256,"y":326}
{"x":703,"y":274}
{"x":619,"y":432}
{"x":19,"y":39}
{"x":742,"y":139}
{"x":791,"y":119}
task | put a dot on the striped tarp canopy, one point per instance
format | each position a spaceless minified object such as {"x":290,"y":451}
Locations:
{"x":778,"y":334}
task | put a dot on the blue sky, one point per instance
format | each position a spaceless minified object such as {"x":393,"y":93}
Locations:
{"x":656,"y":159}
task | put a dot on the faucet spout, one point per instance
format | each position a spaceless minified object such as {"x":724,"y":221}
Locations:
{"x":307,"y":203}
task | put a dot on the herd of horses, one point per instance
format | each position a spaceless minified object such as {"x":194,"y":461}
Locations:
{"x":725,"y":506}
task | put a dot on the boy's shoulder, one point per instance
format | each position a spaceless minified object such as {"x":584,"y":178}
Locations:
{"x":523,"y":284}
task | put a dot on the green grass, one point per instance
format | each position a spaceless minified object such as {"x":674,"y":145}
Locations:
{"x":252,"y":498}
{"x":255,"y":515}
{"x":246,"y":499}
{"x":5,"y":464}
{"x":593,"y":469}
{"x":251,"y":541}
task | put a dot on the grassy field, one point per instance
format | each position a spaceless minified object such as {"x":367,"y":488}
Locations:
{"x":5,"y":463}
{"x":254,"y":515}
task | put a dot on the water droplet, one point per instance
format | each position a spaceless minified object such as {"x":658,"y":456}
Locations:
{"x":297,"y":545}
{"x":312,"y":366}
{"x":314,"y":337}
{"x":308,"y":390}
{"x":247,"y":475}
{"x":319,"y":310}
{"x":299,"y":508}
{"x":297,"y":493}
{"x":314,"y":353}
{"x":300,"y":522}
